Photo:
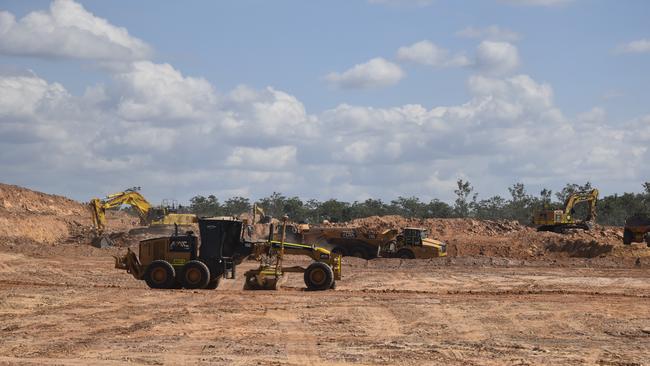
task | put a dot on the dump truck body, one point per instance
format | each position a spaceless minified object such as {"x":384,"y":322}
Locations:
{"x":637,"y":229}
{"x":355,"y":242}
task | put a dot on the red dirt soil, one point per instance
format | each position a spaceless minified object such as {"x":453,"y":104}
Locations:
{"x":506,"y":295}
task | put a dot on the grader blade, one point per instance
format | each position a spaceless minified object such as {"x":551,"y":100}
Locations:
{"x":258,"y":280}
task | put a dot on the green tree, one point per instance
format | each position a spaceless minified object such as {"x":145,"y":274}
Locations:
{"x":438,"y":209}
{"x":205,"y":206}
{"x":461,"y":205}
{"x":236,"y":206}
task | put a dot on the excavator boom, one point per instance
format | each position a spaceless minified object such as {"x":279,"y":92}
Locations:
{"x":129,"y":197}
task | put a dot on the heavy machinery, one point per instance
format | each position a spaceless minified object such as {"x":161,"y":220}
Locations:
{"x":637,"y":229}
{"x":182,"y":261}
{"x":561,"y":220}
{"x":407,"y":243}
{"x":149,"y":215}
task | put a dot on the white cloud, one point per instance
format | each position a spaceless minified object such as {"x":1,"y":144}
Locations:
{"x":497,"y":57}
{"x":375,"y":73}
{"x":147,"y":90}
{"x":427,"y":53}
{"x":254,"y":142}
{"x":492,"y":33}
{"x":68,"y":30}
{"x":638,"y":46}
{"x":177,"y":136}
{"x":273,"y":158}
{"x":538,"y":2}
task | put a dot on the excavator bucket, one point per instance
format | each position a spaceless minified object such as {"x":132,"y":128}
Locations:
{"x":102,"y":241}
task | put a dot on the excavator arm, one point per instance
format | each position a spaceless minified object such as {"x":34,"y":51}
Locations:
{"x":128,"y":197}
{"x":590,"y":196}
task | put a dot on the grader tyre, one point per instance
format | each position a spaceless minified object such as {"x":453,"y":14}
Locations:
{"x":319,"y":276}
{"x":213,"y":284}
{"x":160,"y":274}
{"x":195,"y":275}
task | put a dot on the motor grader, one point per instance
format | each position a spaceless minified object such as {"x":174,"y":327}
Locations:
{"x":182,"y":261}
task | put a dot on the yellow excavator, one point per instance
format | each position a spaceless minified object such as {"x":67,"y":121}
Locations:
{"x":162,"y":216}
{"x":561,"y":220}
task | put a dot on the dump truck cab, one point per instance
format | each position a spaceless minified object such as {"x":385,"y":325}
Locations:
{"x":414,"y":242}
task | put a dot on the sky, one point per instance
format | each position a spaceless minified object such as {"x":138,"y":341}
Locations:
{"x":346,"y":99}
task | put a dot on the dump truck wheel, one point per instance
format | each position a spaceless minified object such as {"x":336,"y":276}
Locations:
{"x":160,"y":274}
{"x":338,"y":251}
{"x":405,"y":254}
{"x":195,"y":275}
{"x":319,"y":276}
{"x":359,"y":253}
{"x":333,"y":287}
{"x":627,"y":236}
{"x":213,"y":284}
{"x":647,"y":239}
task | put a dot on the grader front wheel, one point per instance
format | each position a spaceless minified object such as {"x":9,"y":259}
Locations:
{"x":319,"y":276}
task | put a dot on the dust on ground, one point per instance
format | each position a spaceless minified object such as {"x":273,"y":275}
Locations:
{"x":62,"y":302}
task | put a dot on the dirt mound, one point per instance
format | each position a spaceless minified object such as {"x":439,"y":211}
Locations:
{"x":45,"y":218}
{"x":510,"y":239}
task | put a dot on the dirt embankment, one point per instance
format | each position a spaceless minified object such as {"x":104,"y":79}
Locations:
{"x":510,"y":239}
{"x":46,"y":218}
{"x":27,"y":215}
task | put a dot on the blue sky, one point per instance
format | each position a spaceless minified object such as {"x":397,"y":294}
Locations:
{"x":585,"y":87}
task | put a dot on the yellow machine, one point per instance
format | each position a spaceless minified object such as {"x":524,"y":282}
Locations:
{"x":149,"y":215}
{"x":182,"y":261}
{"x":408,"y":243}
{"x":637,"y":229}
{"x":561,"y":220}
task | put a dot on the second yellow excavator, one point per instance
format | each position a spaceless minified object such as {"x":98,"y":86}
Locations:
{"x":149,"y":215}
{"x":561,"y":220}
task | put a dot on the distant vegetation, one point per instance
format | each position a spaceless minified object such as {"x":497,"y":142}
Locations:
{"x":612,"y":210}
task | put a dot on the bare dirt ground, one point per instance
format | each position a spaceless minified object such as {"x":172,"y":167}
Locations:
{"x":61,"y":302}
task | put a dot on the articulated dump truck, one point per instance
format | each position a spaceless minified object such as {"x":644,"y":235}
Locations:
{"x":182,"y":261}
{"x":407,"y":243}
{"x":637,"y":229}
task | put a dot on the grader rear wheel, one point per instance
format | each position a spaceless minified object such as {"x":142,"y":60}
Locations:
{"x":195,"y":275}
{"x":213,"y":284}
{"x":160,"y":274}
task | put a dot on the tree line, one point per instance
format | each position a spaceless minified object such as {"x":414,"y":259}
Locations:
{"x":519,"y":206}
